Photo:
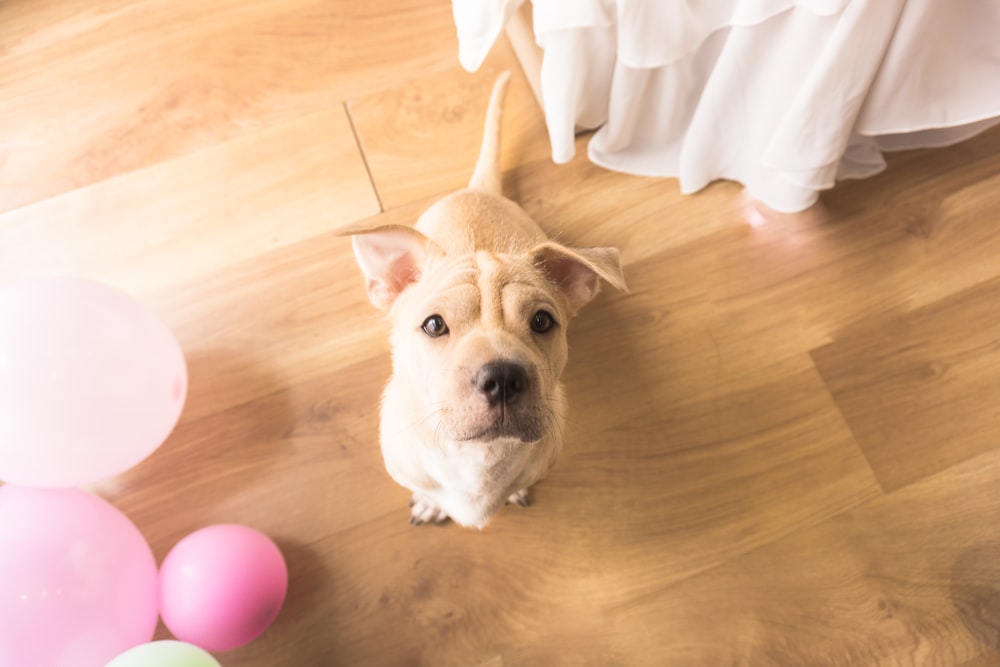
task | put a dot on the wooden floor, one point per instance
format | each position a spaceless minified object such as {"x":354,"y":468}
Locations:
{"x":784,"y":443}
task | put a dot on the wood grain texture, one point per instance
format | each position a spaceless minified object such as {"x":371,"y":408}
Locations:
{"x":186,"y":218}
{"x":919,"y":391}
{"x":989,"y":658}
{"x":782,"y":443}
{"x":94,"y":90}
{"x":911,"y":579}
{"x":422,"y":139}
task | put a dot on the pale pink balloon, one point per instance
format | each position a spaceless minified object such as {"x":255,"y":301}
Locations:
{"x":91,"y":382}
{"x":78,"y":583}
{"x":222,"y":586}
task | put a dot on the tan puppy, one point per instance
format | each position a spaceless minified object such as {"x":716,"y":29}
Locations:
{"x":479,"y":299}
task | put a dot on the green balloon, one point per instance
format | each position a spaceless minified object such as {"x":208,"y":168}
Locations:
{"x":166,"y":653}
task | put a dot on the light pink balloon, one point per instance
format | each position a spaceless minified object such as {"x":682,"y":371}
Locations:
{"x":91,"y":382}
{"x":222,"y":586}
{"x":78,"y":583}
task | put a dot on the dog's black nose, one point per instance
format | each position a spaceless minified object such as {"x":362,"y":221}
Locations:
{"x":501,"y":382}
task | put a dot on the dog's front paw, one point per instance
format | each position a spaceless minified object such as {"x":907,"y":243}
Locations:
{"x":424,"y":510}
{"x":519,"y":498}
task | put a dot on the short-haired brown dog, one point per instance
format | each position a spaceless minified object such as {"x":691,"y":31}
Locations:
{"x":479,"y":299}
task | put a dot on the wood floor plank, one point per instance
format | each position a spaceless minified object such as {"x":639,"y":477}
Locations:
{"x":584,"y":205}
{"x":718,"y":437}
{"x":93,"y":91}
{"x":910,"y":579}
{"x":989,"y":658}
{"x":719,"y":475}
{"x":907,"y":245}
{"x":319,"y":432}
{"x":187,"y":218}
{"x":885,"y":245}
{"x":422,"y":139}
{"x":272,"y":322}
{"x":919,"y":392}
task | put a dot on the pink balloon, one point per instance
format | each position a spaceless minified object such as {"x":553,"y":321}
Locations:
{"x":91,"y":382}
{"x":77,"y":580}
{"x":222,"y":586}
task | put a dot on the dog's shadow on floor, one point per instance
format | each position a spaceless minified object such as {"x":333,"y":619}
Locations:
{"x":618,"y":385}
{"x":611,"y":364}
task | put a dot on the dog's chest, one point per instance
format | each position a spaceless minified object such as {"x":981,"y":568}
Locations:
{"x":477,"y":473}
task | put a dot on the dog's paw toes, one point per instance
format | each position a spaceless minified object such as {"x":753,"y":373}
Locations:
{"x":519,"y":498}
{"x":424,"y":510}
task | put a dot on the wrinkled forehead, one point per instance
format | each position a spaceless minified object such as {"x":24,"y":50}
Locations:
{"x":482,"y":284}
{"x":497,"y":272}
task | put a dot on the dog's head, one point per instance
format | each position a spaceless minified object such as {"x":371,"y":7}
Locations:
{"x":479,"y":338}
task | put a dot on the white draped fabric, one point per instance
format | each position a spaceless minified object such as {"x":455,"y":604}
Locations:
{"x":785,"y":97}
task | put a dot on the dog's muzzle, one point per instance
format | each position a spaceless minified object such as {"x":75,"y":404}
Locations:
{"x":509,"y":404}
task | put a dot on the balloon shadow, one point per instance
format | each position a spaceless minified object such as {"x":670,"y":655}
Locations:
{"x":233,"y":433}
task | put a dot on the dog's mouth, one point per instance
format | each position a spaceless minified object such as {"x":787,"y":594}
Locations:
{"x":525,"y":429}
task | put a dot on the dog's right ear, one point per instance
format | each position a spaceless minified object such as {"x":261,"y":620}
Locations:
{"x":392,"y":258}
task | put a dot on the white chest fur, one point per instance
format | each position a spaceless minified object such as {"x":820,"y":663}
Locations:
{"x":475,"y":478}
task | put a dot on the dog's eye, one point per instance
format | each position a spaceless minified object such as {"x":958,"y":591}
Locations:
{"x":542,"y":322}
{"x":434,"y":326}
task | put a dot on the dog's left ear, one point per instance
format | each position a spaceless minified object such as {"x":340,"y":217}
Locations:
{"x":392,"y":258}
{"x":577,"y":270}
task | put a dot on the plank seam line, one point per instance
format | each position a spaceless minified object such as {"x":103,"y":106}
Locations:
{"x":364,"y":157}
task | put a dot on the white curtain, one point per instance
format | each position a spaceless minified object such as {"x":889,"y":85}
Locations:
{"x":785,"y":97}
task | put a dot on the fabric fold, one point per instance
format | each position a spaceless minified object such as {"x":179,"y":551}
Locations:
{"x":785,"y":97}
